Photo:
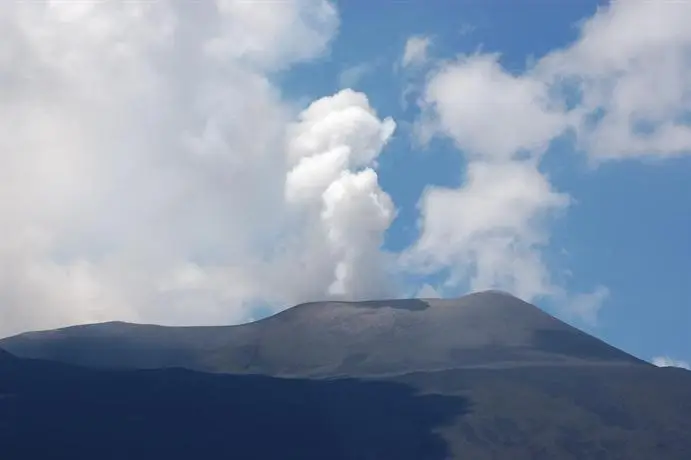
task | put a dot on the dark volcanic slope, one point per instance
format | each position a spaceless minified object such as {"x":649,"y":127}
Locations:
{"x":51,"y":410}
{"x":5,"y":355}
{"x":486,"y":376}
{"x":488,"y":329}
{"x":56,"y":411}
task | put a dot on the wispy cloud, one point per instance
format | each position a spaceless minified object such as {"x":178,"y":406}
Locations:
{"x":415,"y":52}
{"x":352,"y":76}
{"x":666,"y":361}
{"x":628,"y":66}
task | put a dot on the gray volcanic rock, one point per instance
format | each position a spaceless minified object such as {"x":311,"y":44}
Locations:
{"x":486,"y":376}
{"x":54,"y":410}
{"x":483,"y":330}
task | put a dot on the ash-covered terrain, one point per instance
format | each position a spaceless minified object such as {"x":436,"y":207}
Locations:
{"x":486,"y":376}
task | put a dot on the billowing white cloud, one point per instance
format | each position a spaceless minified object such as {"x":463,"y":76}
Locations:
{"x":489,"y":230}
{"x":666,"y":361}
{"x":622,"y":88}
{"x":631,"y":75}
{"x":488,"y":112}
{"x":332,"y":149}
{"x":356,"y":213}
{"x":415,"y":51}
{"x":345,"y":123}
{"x":586,"y":306}
{"x":146,"y":159}
{"x":272,"y":35}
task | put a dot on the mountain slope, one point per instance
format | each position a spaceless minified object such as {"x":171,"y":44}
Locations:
{"x":5,"y":356}
{"x":488,"y":329}
{"x":486,"y":376}
{"x":53,"y":410}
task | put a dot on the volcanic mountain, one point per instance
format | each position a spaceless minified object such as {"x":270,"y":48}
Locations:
{"x":483,"y":330}
{"x":487,"y":376}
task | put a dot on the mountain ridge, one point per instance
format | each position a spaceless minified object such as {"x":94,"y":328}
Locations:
{"x":324,"y":339}
{"x":577,"y":413}
{"x":486,"y":376}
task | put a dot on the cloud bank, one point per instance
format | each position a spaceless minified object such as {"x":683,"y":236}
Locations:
{"x":153,"y":171}
{"x":622,"y":89}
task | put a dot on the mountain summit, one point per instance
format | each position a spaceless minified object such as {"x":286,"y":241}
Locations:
{"x":489,"y":329}
{"x":486,"y":376}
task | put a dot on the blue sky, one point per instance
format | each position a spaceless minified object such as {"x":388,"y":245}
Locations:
{"x":630,"y":228}
{"x":219,"y":162}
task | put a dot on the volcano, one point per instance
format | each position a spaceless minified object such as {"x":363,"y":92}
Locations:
{"x":486,"y":376}
{"x":325,"y":339}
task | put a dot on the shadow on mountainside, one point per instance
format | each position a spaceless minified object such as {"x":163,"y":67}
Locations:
{"x":50,"y":410}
